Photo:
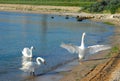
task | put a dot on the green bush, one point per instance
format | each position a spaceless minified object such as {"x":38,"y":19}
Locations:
{"x":105,"y":5}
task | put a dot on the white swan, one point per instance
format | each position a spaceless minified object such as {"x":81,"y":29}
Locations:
{"x":81,"y":50}
{"x":31,"y":66}
{"x":27,"y":52}
{"x":25,"y":60}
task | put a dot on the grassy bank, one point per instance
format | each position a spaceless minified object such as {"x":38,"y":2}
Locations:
{"x":109,"y":23}
{"x":49,"y":2}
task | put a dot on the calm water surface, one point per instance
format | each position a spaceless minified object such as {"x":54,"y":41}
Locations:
{"x":18,"y":30}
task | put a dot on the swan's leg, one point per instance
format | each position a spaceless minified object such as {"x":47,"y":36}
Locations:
{"x":86,"y":57}
{"x":30,"y":73}
{"x":33,"y":73}
{"x":80,"y":58}
{"x":80,"y":61}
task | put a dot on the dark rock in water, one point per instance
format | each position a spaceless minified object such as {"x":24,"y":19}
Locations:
{"x":67,"y":17}
{"x":79,"y":18}
{"x":52,"y":17}
{"x":84,"y":17}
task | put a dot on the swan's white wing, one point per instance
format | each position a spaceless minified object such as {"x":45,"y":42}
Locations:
{"x":26,"y":52}
{"x":96,"y":48}
{"x":69,"y":47}
{"x":26,"y":66}
{"x":29,"y":66}
{"x":25,"y":60}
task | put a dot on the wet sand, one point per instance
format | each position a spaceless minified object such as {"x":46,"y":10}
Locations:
{"x":74,"y":71}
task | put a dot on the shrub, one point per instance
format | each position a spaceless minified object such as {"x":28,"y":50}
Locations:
{"x":111,"y":5}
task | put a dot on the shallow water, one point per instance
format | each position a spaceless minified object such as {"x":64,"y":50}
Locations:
{"x":19,"y":30}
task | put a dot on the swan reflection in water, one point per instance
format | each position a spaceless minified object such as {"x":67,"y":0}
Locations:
{"x":29,"y":66}
{"x":83,"y":51}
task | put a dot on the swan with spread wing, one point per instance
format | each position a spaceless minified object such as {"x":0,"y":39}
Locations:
{"x":82,"y":50}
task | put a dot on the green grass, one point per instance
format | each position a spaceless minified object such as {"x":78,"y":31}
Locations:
{"x":48,"y":2}
{"x":93,"y":66}
{"x":77,"y":79}
{"x":114,"y":50}
{"x":109,"y":23}
{"x":118,"y":10}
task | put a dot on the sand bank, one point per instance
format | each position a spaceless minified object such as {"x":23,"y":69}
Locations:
{"x":38,"y":9}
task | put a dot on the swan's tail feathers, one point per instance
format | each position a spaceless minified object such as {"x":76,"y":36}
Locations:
{"x":96,"y":48}
{"x":69,"y":47}
{"x":23,"y":69}
{"x":20,"y":68}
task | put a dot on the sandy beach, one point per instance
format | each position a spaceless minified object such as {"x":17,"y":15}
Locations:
{"x":100,"y":69}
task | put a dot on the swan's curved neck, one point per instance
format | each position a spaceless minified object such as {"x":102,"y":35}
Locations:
{"x":31,"y":50}
{"x":82,"y":40}
{"x":39,"y":60}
